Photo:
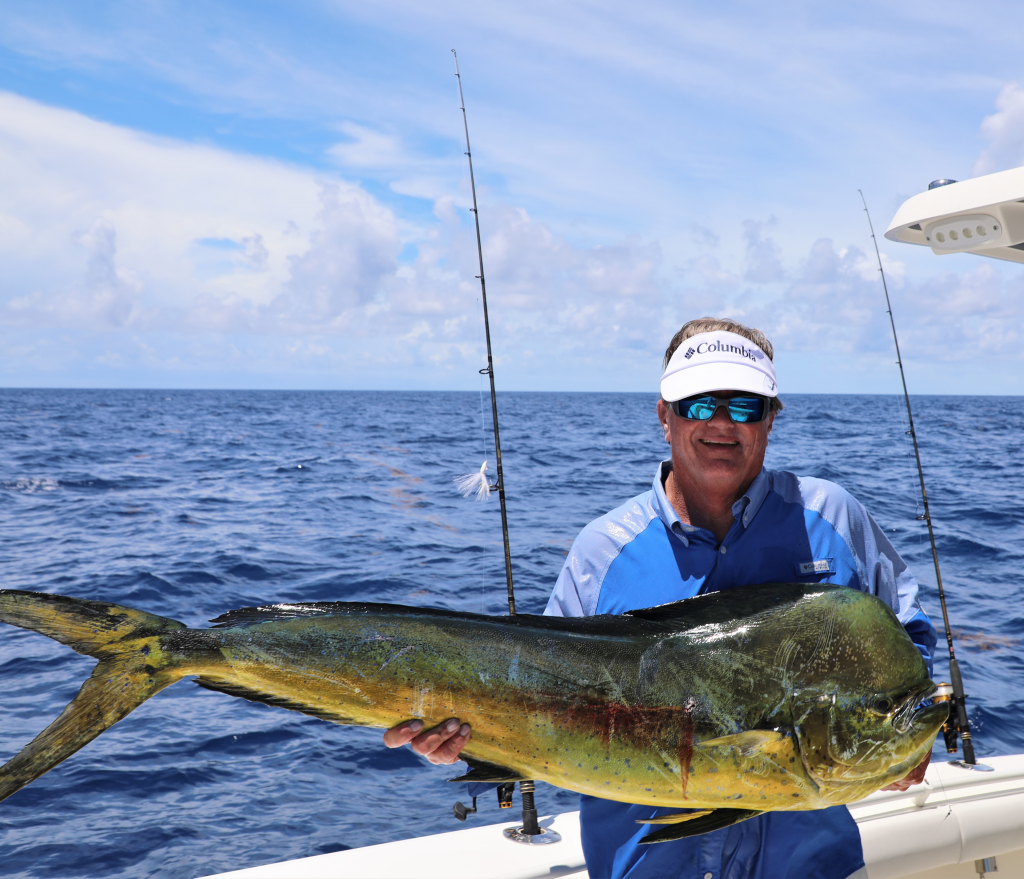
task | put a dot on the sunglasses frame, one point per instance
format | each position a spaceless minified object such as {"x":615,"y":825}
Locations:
{"x":722,"y":403}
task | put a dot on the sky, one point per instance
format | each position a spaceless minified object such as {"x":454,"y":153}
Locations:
{"x":275,"y":195}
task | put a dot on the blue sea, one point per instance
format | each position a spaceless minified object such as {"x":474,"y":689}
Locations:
{"x":190,"y":503}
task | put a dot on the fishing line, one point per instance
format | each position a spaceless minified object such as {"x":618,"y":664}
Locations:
{"x":958,"y":699}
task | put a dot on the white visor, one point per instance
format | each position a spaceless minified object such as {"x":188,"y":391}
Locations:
{"x":717,"y":361}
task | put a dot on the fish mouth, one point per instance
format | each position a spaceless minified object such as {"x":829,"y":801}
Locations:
{"x":925,"y":718}
{"x":914,"y":713}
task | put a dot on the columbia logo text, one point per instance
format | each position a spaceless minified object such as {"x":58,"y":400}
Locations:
{"x":742,"y":350}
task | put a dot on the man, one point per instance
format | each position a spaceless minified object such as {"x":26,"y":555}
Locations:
{"x":715,"y":518}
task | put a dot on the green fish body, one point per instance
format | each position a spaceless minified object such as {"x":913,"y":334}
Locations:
{"x":779,"y":696}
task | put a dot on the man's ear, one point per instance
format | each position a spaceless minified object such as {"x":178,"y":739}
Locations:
{"x":663,"y":416}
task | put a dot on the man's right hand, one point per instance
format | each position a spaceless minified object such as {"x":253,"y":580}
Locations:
{"x":439,"y":745}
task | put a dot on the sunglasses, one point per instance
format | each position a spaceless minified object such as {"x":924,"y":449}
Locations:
{"x":742,"y":410}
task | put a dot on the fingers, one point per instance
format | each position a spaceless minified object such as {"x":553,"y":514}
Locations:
{"x":449,"y":751}
{"x":403,"y":733}
{"x":443,"y":743}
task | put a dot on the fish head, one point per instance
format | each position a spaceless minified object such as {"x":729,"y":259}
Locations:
{"x":861,"y":714}
{"x":866,"y":740}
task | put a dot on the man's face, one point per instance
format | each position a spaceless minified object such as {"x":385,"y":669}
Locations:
{"x":718,"y":455}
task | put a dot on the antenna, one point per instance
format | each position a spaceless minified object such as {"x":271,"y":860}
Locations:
{"x":958,"y":699}
{"x":489,"y":369}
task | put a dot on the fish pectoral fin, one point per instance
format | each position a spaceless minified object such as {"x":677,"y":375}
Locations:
{"x":481,"y":771}
{"x":747,"y":743}
{"x":676,"y":817}
{"x":715,"y":819}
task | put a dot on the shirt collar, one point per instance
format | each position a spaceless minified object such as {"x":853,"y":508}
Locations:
{"x":743,"y":510}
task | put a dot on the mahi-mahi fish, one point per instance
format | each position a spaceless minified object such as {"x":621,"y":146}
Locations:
{"x":757,"y":698}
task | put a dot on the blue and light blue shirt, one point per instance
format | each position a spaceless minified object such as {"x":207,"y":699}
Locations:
{"x":787,"y":528}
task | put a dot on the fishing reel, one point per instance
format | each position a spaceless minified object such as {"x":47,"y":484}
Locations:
{"x":951,"y":728}
{"x":504,"y":791}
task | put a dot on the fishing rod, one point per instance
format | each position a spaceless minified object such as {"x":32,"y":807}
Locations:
{"x":489,"y":369}
{"x":958,"y":698}
{"x":531,"y":833}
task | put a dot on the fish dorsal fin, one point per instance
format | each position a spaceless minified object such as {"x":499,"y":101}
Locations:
{"x":268,"y":613}
{"x":481,"y":771}
{"x":730,"y":605}
{"x":716,"y":819}
{"x":749,"y":743}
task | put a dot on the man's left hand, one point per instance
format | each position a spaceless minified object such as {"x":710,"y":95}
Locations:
{"x":916,"y":776}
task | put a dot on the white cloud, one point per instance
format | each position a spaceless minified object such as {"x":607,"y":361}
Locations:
{"x":353,"y":252}
{"x":109,"y":297}
{"x":131,"y":236}
{"x":835,"y":302}
{"x":1004,"y":130}
{"x":764,"y":264}
{"x":61,"y":172}
{"x":114,"y":230}
{"x":368,"y":148}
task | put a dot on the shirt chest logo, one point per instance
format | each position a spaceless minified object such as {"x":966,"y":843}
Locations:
{"x":816,"y":566}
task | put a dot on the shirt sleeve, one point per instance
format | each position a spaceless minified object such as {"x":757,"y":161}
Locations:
{"x":578,"y":587}
{"x":565,"y":597}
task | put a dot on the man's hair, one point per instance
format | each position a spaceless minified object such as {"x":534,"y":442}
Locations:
{"x":722,"y":325}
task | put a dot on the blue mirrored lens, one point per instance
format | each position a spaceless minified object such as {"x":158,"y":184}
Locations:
{"x":699,"y":409}
{"x":746,"y":409}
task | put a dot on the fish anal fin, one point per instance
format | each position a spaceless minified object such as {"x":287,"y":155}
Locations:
{"x":716,"y":819}
{"x":481,"y":771}
{"x":234,"y":688}
{"x":676,"y":817}
{"x":747,"y":744}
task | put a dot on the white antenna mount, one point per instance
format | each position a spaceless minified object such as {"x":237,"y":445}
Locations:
{"x":984,"y":215}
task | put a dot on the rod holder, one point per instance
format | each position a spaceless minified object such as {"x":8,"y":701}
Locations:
{"x":531,"y":833}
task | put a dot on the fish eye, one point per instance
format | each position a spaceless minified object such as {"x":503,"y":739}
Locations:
{"x":882,"y":704}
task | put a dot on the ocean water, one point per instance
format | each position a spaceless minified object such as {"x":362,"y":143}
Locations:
{"x":190,"y":503}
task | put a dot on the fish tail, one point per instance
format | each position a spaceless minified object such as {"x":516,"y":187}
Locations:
{"x":133,"y":665}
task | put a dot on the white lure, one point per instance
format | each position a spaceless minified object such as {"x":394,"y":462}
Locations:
{"x":475,"y":483}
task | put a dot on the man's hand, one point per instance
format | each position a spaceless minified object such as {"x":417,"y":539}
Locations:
{"x":439,"y":745}
{"x":916,"y":776}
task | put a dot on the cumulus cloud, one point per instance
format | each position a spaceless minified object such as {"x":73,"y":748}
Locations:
{"x":764,"y":263}
{"x":1004,"y":130}
{"x":352,"y":252}
{"x":108,"y":297}
{"x":163,"y":236}
{"x":704,"y":236}
{"x":131,"y":236}
{"x":835,"y":301}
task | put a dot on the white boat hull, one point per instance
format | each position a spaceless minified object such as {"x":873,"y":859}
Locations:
{"x":936,"y":830}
